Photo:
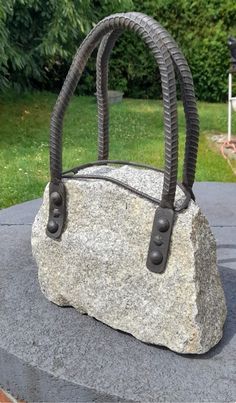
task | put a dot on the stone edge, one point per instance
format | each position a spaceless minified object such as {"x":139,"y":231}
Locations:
{"x":32,"y":384}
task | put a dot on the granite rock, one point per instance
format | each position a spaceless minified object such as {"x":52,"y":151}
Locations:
{"x":99,"y":264}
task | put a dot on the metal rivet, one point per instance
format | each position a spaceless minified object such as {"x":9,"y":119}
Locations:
{"x":52,"y":226}
{"x":56,"y":212}
{"x":158,"y":240}
{"x":156,"y":257}
{"x":163,"y":224}
{"x":56,"y":198}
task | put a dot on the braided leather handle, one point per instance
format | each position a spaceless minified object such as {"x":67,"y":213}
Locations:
{"x":187,"y":91}
{"x":146,"y":28}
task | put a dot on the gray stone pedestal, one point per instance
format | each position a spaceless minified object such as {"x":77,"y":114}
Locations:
{"x":54,"y":354}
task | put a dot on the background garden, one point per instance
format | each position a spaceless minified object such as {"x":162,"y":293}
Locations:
{"x":38,"y":39}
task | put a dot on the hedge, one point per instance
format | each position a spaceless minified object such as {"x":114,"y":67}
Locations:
{"x":39,"y":37}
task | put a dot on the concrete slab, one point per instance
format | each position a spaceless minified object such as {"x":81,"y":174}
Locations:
{"x":48,"y":353}
{"x":20,"y":214}
{"x":217,"y":201}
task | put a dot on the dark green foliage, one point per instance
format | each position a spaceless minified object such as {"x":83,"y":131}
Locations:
{"x":38,"y":39}
{"x":35,"y":38}
{"x":201,"y":29}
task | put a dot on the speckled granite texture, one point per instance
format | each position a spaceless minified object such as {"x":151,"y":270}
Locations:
{"x":99,"y":264}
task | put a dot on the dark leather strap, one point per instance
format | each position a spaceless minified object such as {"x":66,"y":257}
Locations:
{"x":187,"y":90}
{"x":146,"y":28}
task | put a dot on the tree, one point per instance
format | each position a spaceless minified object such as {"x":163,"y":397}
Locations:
{"x":40,"y":36}
{"x":38,"y":39}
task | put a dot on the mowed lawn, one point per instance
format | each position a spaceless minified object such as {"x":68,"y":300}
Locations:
{"x":136,"y":133}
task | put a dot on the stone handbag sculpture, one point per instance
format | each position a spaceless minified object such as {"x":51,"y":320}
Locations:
{"x":104,"y":242}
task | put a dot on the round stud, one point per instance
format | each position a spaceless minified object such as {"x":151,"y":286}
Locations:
{"x":52,"y":226}
{"x":56,"y":198}
{"x":163,"y":224}
{"x":56,"y":212}
{"x":156,"y":257}
{"x":158,"y":240}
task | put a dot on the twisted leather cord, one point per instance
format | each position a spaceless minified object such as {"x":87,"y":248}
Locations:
{"x":145,"y":27}
{"x":187,"y":91}
{"x":115,"y":162}
{"x":139,"y":193}
{"x":75,"y":171}
{"x":103,"y":56}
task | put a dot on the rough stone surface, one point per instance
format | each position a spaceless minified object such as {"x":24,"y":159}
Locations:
{"x":99,"y":264}
{"x":54,"y":354}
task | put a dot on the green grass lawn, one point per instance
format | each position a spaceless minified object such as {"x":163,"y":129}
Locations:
{"x":136,"y":129}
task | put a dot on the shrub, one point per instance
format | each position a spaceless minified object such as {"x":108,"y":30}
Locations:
{"x":201,"y":29}
{"x":39,"y":37}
